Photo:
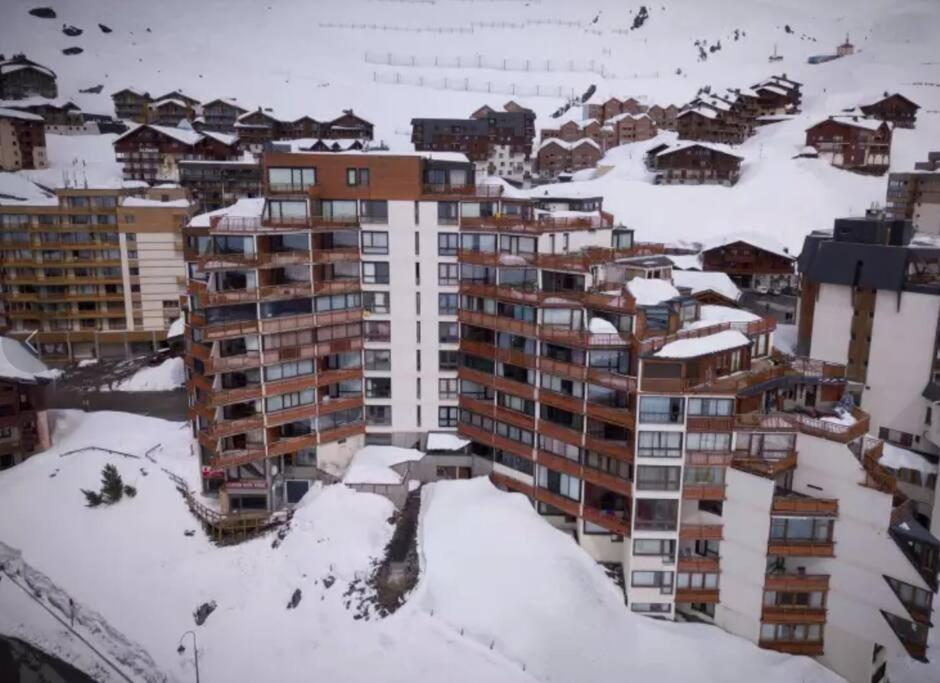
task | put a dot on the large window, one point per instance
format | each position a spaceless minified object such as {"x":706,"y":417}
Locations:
{"x":376,"y":302}
{"x":374,"y":211}
{"x":656,"y":514}
{"x":809,"y":529}
{"x":378,"y":387}
{"x":292,"y":400}
{"x":374,"y":242}
{"x":378,"y":359}
{"x":697,"y":581}
{"x":377,"y":330}
{"x":649,"y":579}
{"x":447,"y":360}
{"x":711,"y":407}
{"x":291,"y":179}
{"x":447,"y":389}
{"x":662,"y":409}
{"x":654,"y":478}
{"x":288,"y":211}
{"x":658,"y":547}
{"x":379,"y":415}
{"x":448,"y":274}
{"x":447,"y":304}
{"x":708,"y":441}
{"x":562,"y":484}
{"x":447,"y":243}
{"x":447,"y":416}
{"x":357,"y":176}
{"x":286,"y":370}
{"x":659,"y":444}
{"x":375,"y":272}
{"x":811,"y":633}
{"x":448,"y":333}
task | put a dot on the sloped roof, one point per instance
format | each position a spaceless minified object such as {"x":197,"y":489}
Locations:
{"x":755,"y":239}
{"x":187,"y":137}
{"x":16,"y":114}
{"x":17,"y":362}
{"x":713,"y":146}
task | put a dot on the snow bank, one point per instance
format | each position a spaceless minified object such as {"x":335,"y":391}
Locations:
{"x":700,"y":346}
{"x":651,"y":292}
{"x":896,"y":457}
{"x":785,"y":338}
{"x":602,"y":326}
{"x":373,"y":464}
{"x":445,"y":441}
{"x":701,"y":281}
{"x":169,"y":375}
{"x":176,"y":328}
{"x":544,"y":603}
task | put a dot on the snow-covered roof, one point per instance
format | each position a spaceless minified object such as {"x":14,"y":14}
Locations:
{"x":703,"y":281}
{"x":16,"y":188}
{"x":186,"y":136}
{"x":373,"y":464}
{"x":703,"y":111}
{"x":855,"y":121}
{"x":568,"y":145}
{"x":17,"y":362}
{"x":133,"y":91}
{"x":719,"y":147}
{"x":649,"y":292}
{"x":225,"y":100}
{"x":10,"y":66}
{"x":712,"y":315}
{"x":246,"y":207}
{"x":225,"y":139}
{"x":168,"y":100}
{"x":715,"y":101}
{"x":774,"y":87}
{"x":702,"y":346}
{"x":15,"y":114}
{"x":141,"y":203}
{"x":755,"y":239}
{"x":176,"y":328}
{"x":896,"y":458}
{"x":445,"y":441}
{"x":685,"y":261}
{"x":627,"y":115}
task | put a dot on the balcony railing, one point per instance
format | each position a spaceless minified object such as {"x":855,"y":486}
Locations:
{"x":614,"y":522}
{"x":701,"y":532}
{"x":787,"y":547}
{"x":794,"y":647}
{"x":804,"y":506}
{"x":703,"y":491}
{"x":463,"y":190}
{"x":796,"y":583}
{"x":706,"y":595}
{"x":698,"y":564}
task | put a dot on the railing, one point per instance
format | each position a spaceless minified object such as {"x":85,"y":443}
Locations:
{"x":463,"y":190}
{"x":703,"y":491}
{"x":703,"y":532}
{"x":609,"y":520}
{"x":787,"y":547}
{"x":762,"y":326}
{"x":707,"y":595}
{"x":802,"y":583}
{"x":804,"y":505}
{"x":765,"y":467}
{"x":794,"y":647}
{"x":693,"y":563}
{"x":826,"y":429}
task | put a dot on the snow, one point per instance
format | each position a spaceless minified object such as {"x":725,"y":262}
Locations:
{"x":701,"y":281}
{"x":169,"y":375}
{"x":842,"y":417}
{"x":243,"y":208}
{"x":714,"y":146}
{"x":176,"y":328}
{"x":373,"y":464}
{"x":685,"y":261}
{"x":140,"y":202}
{"x":712,"y":315}
{"x":857,"y":121}
{"x":701,"y":346}
{"x":702,"y":111}
{"x":602,"y":326}
{"x":16,"y":188}
{"x":651,"y":292}
{"x":754,"y":239}
{"x":18,"y":362}
{"x":81,"y":161}
{"x":568,"y":145}
{"x":187,"y":137}
{"x":896,"y":457}
{"x":520,"y":600}
{"x":445,"y":441}
{"x":14,"y":114}
{"x":785,"y":338}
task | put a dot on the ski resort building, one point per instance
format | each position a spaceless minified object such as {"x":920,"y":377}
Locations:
{"x":90,"y":273}
{"x":21,"y":78}
{"x":150,"y":152}
{"x":895,"y":109}
{"x":131,"y":104}
{"x":864,"y":283}
{"x":693,"y":163}
{"x":557,"y":156}
{"x":752,"y":260}
{"x":215,"y":184}
{"x":852,"y":142}
{"x":24,"y":424}
{"x":22,"y":140}
{"x":915,"y":195}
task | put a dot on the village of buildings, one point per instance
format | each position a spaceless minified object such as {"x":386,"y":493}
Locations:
{"x":458,"y":304}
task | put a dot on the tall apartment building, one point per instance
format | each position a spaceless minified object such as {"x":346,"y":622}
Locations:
{"x":871,"y":299}
{"x":915,"y":195}
{"x":216,"y":184}
{"x":22,"y":140}
{"x":88,"y":273}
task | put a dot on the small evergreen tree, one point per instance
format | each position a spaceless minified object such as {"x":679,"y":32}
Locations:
{"x":92,"y":498}
{"x":112,"y":486}
{"x":129,"y":491}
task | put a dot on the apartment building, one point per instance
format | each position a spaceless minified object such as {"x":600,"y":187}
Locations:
{"x":915,"y":195}
{"x":24,"y":425}
{"x":151,"y":153}
{"x":862,"y":283}
{"x":214,"y":184}
{"x":89,"y":273}
{"x":21,"y":78}
{"x":22,"y":140}
{"x":895,"y":108}
{"x":131,"y":104}
{"x":557,"y":156}
{"x":693,"y":163}
{"x":853,"y":143}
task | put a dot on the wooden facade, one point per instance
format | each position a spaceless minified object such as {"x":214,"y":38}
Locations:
{"x":221,"y":114}
{"x":694,"y":164}
{"x":895,"y":109}
{"x":24,"y":429}
{"x":132,"y":105}
{"x":22,"y":141}
{"x":556,"y":156}
{"x":21,"y":78}
{"x":852,"y":143}
{"x":476,"y":136}
{"x":743,"y":259}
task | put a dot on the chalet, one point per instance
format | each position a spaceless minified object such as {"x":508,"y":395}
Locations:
{"x":132,"y":105}
{"x":150,"y":152}
{"x":216,"y":184}
{"x":750,"y":260}
{"x":191,"y":102}
{"x":664,"y":117}
{"x":21,"y":78}
{"x":22,"y":140}
{"x":694,"y":163}
{"x":557,"y":156}
{"x":348,"y":125}
{"x":24,"y":425}
{"x":170,"y":111}
{"x":895,"y":109}
{"x":221,"y":114}
{"x":853,"y":143}
{"x":61,"y":117}
{"x":632,"y":128}
{"x":778,"y":95}
{"x":255,"y":128}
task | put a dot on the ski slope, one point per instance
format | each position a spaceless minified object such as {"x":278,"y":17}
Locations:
{"x":311,"y":58}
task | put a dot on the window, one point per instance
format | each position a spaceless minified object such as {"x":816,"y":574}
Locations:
{"x":697,"y":581}
{"x":447,"y":416}
{"x":448,"y":333}
{"x":448,"y":274}
{"x":447,"y":360}
{"x":447,"y":304}
{"x":520,"y":405}
{"x":514,"y":462}
{"x":562,"y":484}
{"x":708,"y":441}
{"x":447,"y":213}
{"x":659,"y":444}
{"x":378,"y":387}
{"x":291,"y":179}
{"x":447,"y":389}
{"x":658,"y":547}
{"x":711,"y":406}
{"x":791,"y":632}
{"x":291,"y":400}
{"x":378,"y":359}
{"x":646,"y":579}
{"x":662,"y":409}
{"x":653,"y":478}
{"x":357,"y":176}
{"x":808,"y":529}
{"x":379,"y":415}
{"x":374,"y":242}
{"x":286,"y":370}
{"x":651,"y":607}
{"x":377,"y":330}
{"x":447,"y":243}
{"x":376,"y":302}
{"x":656,"y":514}
{"x":375,"y":272}
{"x":374,"y":211}
{"x":289,"y":211}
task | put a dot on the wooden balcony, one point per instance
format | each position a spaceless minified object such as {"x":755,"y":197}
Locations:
{"x":511,"y":483}
{"x":218,"y":364}
{"x":559,"y":368}
{"x":794,"y":647}
{"x":796,"y":583}
{"x":291,"y":384}
{"x":340,"y":286}
{"x":340,"y":255}
{"x":700,"y":532}
{"x":223,"y":397}
{"x":607,"y":520}
{"x":519,"y":295}
{"x":698,"y":564}
{"x":793,"y":615}
{"x":446,"y":189}
{"x":515,"y":388}
{"x":514,"y":447}
{"x":219,"y":331}
{"x":611,"y":380}
{"x":800,"y":548}
{"x":333,"y":376}
{"x":475,"y":434}
{"x":235,"y":457}
{"x":494,"y":258}
{"x":562,"y":401}
{"x":290,"y":290}
{"x":765,"y":467}
{"x":619,"y":450}
{"x":606,"y":480}
{"x":566,"y":505}
{"x":342,"y":432}
{"x":696,"y":423}
{"x":223,"y":428}
{"x":618,"y":416}
{"x":805,"y":506}
{"x":478,"y":406}
{"x":708,"y":458}
{"x":569,"y":436}
{"x":274,"y":259}
{"x":477,"y":348}
{"x":290,"y":444}
{"x":703,"y":492}
{"x":471,"y":375}
{"x":515,"y":418}
{"x":495,"y":322}
{"x":231,"y":296}
{"x":558,"y":463}
{"x":706,"y":595}
{"x":335,"y":405}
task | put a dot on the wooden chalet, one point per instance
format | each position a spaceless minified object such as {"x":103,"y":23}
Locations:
{"x":179,"y":95}
{"x":150,"y":152}
{"x":895,"y":109}
{"x":221,"y":114}
{"x":853,"y":143}
{"x":694,"y":163}
{"x":169,"y":112}
{"x":557,"y":156}
{"x":744,"y":258}
{"x":132,"y":105}
{"x":778,"y":95}
{"x":347,"y":125}
{"x":21,"y":78}
{"x":24,"y":426}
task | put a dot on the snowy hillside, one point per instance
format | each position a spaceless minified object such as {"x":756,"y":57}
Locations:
{"x":487,"y":605}
{"x":319,"y":58}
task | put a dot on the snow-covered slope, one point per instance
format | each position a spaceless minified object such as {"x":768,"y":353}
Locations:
{"x":311,"y":58}
{"x":500,"y":588}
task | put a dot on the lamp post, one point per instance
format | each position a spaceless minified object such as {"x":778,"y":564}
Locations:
{"x":181,"y":649}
